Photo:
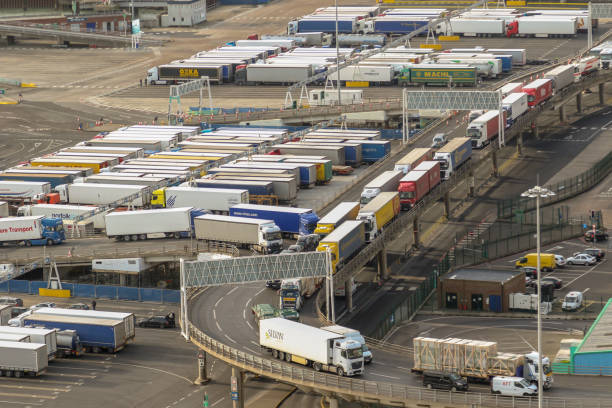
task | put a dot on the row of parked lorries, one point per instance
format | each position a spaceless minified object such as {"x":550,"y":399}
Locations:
{"x":38,"y":336}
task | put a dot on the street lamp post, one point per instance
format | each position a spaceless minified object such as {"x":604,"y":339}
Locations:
{"x":537,"y":192}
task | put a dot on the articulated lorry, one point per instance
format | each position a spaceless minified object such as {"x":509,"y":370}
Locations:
{"x":24,"y":189}
{"x":379,"y":212}
{"x":452,"y":155}
{"x":177,"y":72}
{"x":290,"y":220}
{"x":34,"y":230}
{"x":263,"y":236}
{"x":215,"y":200}
{"x":148,"y":224}
{"x":343,"y":242}
{"x":309,"y":346}
{"x":413,"y":159}
{"x":45,"y":336}
{"x":64,"y":212}
{"x":96,"y":335}
{"x":342,"y":212}
{"x":484,"y":128}
{"x":126,"y":319}
{"x":476,"y":359}
{"x":18,"y":359}
{"x":387,"y":181}
{"x":514,"y":105}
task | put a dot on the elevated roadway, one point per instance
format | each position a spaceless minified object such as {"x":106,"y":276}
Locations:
{"x":63,"y":36}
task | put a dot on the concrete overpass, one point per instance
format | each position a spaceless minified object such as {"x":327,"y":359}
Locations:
{"x":12,"y":31}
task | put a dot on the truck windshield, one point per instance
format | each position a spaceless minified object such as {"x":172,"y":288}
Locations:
{"x":473,"y":133}
{"x":443,"y":164}
{"x":354,"y":353}
{"x":365,"y":200}
{"x":570,"y":299}
{"x":406,"y":194}
{"x":272,"y":236}
{"x":530,"y":98}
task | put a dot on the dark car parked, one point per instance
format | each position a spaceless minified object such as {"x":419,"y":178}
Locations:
{"x":162,"y":322}
{"x":599,"y":235}
{"x":6,"y":300}
{"x":556,"y":282}
{"x":595,"y":252}
{"x":444,"y":381}
{"x":17,"y":310}
{"x":273,"y":284}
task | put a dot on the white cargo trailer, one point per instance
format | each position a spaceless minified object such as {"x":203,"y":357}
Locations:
{"x":515,"y":105}
{"x":63,"y":211}
{"x":382,"y":74}
{"x":18,"y":358}
{"x":47,"y":337}
{"x":273,"y":73}
{"x":544,"y":27}
{"x":472,"y":27}
{"x":511,"y":87}
{"x":147,"y":224}
{"x":519,"y":55}
{"x":386,"y":181}
{"x":217,"y":200}
{"x":102,"y":194}
{"x":261,"y":235}
{"x":310,"y":346}
{"x":561,"y":76}
{"x":23,"y":189}
{"x":4,"y":209}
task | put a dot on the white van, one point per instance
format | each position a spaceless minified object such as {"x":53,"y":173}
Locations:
{"x":513,"y":386}
{"x":572,"y":301}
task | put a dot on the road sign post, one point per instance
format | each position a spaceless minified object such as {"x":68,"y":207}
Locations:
{"x":202,"y":377}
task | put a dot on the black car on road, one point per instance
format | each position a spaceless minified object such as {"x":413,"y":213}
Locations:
{"x":599,"y":235}
{"x":162,"y":322}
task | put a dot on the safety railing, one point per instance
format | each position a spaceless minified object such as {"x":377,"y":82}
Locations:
{"x":371,"y":390}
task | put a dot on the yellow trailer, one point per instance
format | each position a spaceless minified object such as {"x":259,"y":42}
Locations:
{"x":92,"y":164}
{"x":342,"y":212}
{"x":379,"y":212}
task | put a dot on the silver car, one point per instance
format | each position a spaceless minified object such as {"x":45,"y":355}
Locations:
{"x":581,"y":259}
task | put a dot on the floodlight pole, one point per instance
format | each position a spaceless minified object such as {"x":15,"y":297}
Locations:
{"x":590,"y":28}
{"x":337,"y":55}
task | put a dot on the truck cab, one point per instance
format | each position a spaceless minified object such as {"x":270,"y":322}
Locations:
{"x":290,"y":294}
{"x":530,"y":369}
{"x":368,"y":195}
{"x":270,"y":238}
{"x":153,"y":77}
{"x":158,"y":198}
{"x":347,"y":357}
{"x":352,"y":334}
{"x":53,"y":230}
{"x":371,"y":227}
{"x":445,"y":168}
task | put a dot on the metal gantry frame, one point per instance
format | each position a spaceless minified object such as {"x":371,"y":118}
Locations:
{"x":176,"y":91}
{"x":597,"y":10}
{"x":452,"y":100}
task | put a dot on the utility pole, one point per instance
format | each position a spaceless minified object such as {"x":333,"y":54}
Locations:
{"x":337,"y":56}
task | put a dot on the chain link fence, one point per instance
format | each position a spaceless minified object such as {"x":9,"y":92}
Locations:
{"x":564,"y":189}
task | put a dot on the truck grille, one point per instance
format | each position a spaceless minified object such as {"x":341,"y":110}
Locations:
{"x":356,"y":365}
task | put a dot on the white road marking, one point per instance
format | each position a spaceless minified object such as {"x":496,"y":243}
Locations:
{"x":259,"y":292}
{"x":255,"y":343}
{"x":230,"y":339}
{"x":249,"y":324}
{"x":219,"y":301}
{"x":586,"y":290}
{"x":216,"y":402}
{"x":385,"y":376}
{"x":526,"y":342}
{"x":214,"y":314}
{"x":231,"y":291}
{"x":244,"y":314}
{"x":587,"y":272}
{"x":218,"y":327}
{"x":404,"y":368}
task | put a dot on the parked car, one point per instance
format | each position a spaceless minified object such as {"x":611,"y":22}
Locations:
{"x":163,"y":322}
{"x":599,"y":235}
{"x":572,"y":302}
{"x":17,"y":310}
{"x":557,"y":283}
{"x":560,"y":260}
{"x":308,"y":242}
{"x":597,"y":253}
{"x":41,"y":305}
{"x":438,"y":140}
{"x":445,"y":381}
{"x":530,"y":271}
{"x":581,"y":259}
{"x":6,"y":300}
{"x":273,"y":284}
{"x":80,"y":306}
{"x":293,"y":249}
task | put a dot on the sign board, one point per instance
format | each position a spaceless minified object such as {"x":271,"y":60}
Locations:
{"x":76,"y":19}
{"x":234,"y":396}
{"x":136,"y":26}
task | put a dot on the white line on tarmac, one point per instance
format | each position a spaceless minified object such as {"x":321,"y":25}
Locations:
{"x":214,"y":314}
{"x":249,"y":324}
{"x":230,"y":339}
{"x":20,"y":403}
{"x":586,"y":290}
{"x":219,"y":301}
{"x":587,"y":272}
{"x":255,"y":343}
{"x":385,"y":376}
{"x":259,"y":292}
{"x":231,"y":291}
{"x":218,"y":401}
{"x":526,"y":342}
{"x":218,"y":327}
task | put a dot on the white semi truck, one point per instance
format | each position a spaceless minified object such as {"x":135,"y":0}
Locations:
{"x":102,"y":194}
{"x":147,"y":224}
{"x":63,"y":211}
{"x":263,"y":236}
{"x":309,"y":346}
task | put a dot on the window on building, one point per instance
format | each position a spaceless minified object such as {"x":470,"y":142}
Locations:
{"x":173,"y":18}
{"x":182,"y":18}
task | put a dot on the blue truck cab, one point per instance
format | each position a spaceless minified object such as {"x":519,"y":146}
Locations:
{"x":53,"y":229}
{"x":196,"y":212}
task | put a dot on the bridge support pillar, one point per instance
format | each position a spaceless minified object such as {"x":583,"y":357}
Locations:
{"x":383,"y":271}
{"x":446,"y":199}
{"x":348,"y":294}
{"x":602,"y":96}
{"x":562,"y":117}
{"x":202,"y":376}
{"x":536,"y":131}
{"x":579,"y":102}
{"x":494,"y":162}
{"x":472,"y":183}
{"x":519,"y":143}
{"x":415,"y":232}
{"x":237,"y":388}
{"x":333,"y":402}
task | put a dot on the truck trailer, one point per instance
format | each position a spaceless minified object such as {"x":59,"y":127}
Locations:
{"x":343,"y":242}
{"x":149,"y":224}
{"x":254,"y":187}
{"x":452,"y":155}
{"x":24,"y":189}
{"x":215,"y":200}
{"x":484,"y":128}
{"x":514,"y":105}
{"x":64,"y":212}
{"x":379,"y":212}
{"x":290,"y":220}
{"x":542,"y":27}
{"x":538,"y":91}
{"x":386,"y":181}
{"x":340,"y":213}
{"x":263,"y":236}
{"x":561,"y":76}
{"x":34,"y":230}
{"x":413,"y":159}
{"x":309,"y":346}
{"x":18,"y":359}
{"x":45,"y":336}
{"x":103,"y":194}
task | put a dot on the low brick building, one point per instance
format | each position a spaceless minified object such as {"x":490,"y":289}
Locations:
{"x":479,"y":289}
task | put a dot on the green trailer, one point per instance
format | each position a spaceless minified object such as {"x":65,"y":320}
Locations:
{"x":437,"y":74}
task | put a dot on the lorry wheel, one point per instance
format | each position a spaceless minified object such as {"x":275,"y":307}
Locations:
{"x":288,"y":357}
{"x":134,"y":237}
{"x":176,"y":235}
{"x":18,"y":374}
{"x":143,"y":236}
{"x":49,"y":242}
{"x":429,"y":386}
{"x":126,"y":238}
{"x":316,"y":366}
{"x":340,"y":372}
{"x":281,"y":355}
{"x":28,"y":243}
{"x":454,"y":389}
{"x":275,"y":353}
